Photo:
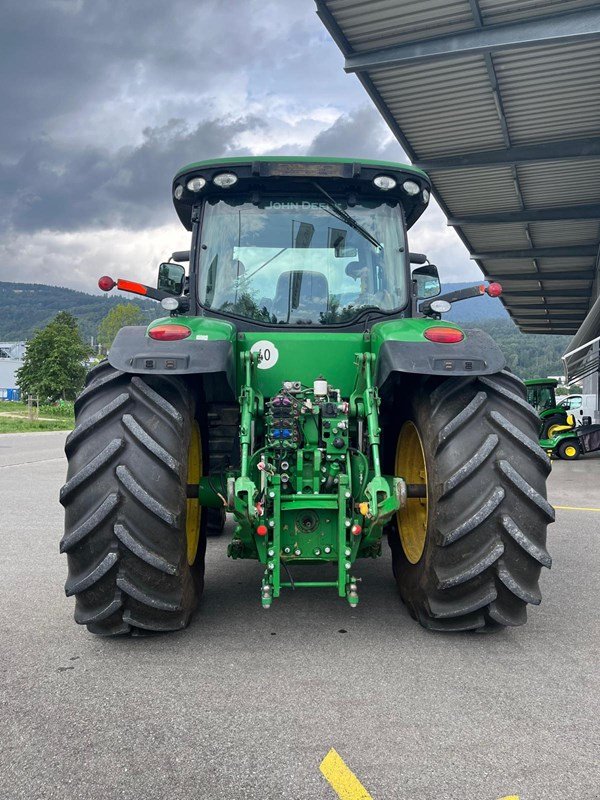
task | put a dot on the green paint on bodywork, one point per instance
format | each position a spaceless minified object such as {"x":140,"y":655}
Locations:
{"x":541,"y":382}
{"x":230,"y":162}
{"x":552,"y":444}
{"x":406,"y":330}
{"x":305,"y":357}
{"x":202,"y":328}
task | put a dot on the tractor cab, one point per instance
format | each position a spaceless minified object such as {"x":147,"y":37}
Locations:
{"x":541,"y":394}
{"x":301,"y":242}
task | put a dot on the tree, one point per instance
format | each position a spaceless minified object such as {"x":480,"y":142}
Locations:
{"x":54,"y":363}
{"x":117,"y":318}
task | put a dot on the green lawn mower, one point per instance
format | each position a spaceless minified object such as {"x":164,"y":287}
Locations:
{"x":559,"y":434}
{"x":303,"y":381}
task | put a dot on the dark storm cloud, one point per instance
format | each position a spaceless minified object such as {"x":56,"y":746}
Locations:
{"x":103,"y":100}
{"x":61,"y":57}
{"x":61,"y":188}
{"x":359,"y":134}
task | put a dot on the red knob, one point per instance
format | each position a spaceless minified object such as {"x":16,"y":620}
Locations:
{"x":262,"y":530}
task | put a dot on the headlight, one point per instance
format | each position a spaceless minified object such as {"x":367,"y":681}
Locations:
{"x":411,"y":188}
{"x":178,"y":193}
{"x":225,"y":180}
{"x":196,"y":184}
{"x":385,"y":182}
{"x":425,"y":195}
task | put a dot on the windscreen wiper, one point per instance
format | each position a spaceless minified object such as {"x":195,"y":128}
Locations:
{"x":343,"y":216}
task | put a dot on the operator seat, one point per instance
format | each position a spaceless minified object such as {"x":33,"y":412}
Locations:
{"x":300,"y":295}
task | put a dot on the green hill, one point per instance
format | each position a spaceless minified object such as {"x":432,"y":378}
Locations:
{"x":27,"y":306}
{"x":24,"y":307}
{"x":529,"y":355}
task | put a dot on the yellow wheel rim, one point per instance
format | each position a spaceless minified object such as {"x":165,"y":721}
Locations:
{"x":410,"y":465}
{"x":570,"y":451}
{"x":194,"y":510}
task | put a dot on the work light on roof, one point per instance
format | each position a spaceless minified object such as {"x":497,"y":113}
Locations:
{"x":425,"y":195}
{"x":411,"y":188}
{"x":385,"y":182}
{"x":196,"y":184}
{"x":225,"y":179}
{"x":178,"y":192}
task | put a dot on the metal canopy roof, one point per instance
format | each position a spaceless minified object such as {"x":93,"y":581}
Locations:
{"x":499,"y":101}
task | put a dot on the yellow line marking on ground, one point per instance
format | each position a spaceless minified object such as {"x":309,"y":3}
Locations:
{"x":341,"y":779}
{"x":510,"y":797}
{"x":575,"y":508}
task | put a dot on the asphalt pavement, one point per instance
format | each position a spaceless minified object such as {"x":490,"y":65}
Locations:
{"x":246,"y":703}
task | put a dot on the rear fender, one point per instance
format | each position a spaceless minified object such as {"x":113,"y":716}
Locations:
{"x":134,"y":352}
{"x":476,"y":354}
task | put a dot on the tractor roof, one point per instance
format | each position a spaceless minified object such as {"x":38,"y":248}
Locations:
{"x":286,"y":174}
{"x":541,"y":382}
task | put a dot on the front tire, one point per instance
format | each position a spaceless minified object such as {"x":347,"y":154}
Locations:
{"x":134,"y":562}
{"x":476,"y":564}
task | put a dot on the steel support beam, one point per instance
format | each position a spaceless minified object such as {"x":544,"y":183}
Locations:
{"x":567,"y":275}
{"x":564,"y":294}
{"x":562,"y":330}
{"x":578,"y":316}
{"x":591,"y":211}
{"x":575,"y":305}
{"x":509,"y":36}
{"x":546,"y":320}
{"x":572,"y":251}
{"x":520,"y":154}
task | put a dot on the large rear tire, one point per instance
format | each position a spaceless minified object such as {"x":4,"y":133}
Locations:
{"x":135,"y":543}
{"x":471,"y":560}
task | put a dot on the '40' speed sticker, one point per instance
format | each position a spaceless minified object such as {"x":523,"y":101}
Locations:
{"x":268,"y":354}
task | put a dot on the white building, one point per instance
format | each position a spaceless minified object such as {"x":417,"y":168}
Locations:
{"x":11,"y":358}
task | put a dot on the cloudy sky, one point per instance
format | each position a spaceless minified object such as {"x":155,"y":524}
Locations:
{"x":103,"y":100}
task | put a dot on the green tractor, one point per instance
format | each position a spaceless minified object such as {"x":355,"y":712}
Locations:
{"x":303,"y":381}
{"x":557,"y":432}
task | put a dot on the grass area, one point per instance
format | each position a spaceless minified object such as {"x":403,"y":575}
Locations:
{"x":14,"y":418}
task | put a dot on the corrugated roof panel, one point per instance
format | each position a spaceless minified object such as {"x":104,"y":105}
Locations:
{"x":442,"y":106}
{"x":566,"y":264}
{"x":497,"y":237}
{"x":449,"y":107}
{"x":384,"y":23}
{"x":556,"y":183}
{"x":495,"y":12}
{"x":549,"y":234}
{"x":550,"y":93}
{"x":497,"y":266}
{"x":475,"y":191}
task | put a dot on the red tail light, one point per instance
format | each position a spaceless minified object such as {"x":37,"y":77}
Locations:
{"x":444,"y":335}
{"x":169,"y":333}
{"x":494,"y":290}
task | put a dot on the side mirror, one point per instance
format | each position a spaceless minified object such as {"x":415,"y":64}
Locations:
{"x":427,"y":281}
{"x":171,"y":278}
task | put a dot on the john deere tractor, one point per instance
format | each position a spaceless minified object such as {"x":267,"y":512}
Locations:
{"x":302,"y":380}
